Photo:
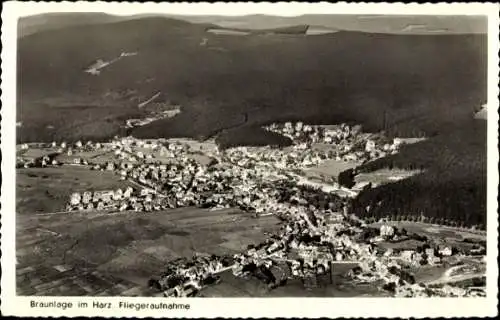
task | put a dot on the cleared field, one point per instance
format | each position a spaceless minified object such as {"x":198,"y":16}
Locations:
{"x":231,"y":286}
{"x":330,"y":168}
{"x":42,"y":190}
{"x":437,"y":231}
{"x":130,"y":246}
{"x":384,"y":176}
{"x":115,"y":254}
{"x":34,"y":153}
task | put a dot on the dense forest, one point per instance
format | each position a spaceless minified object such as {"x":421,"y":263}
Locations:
{"x":451,"y":188}
{"x":405,"y":85}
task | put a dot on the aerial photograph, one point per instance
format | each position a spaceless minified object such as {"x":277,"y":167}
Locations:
{"x":319,"y":155}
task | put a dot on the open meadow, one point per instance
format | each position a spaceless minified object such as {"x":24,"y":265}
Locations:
{"x":47,"y":190}
{"x":56,"y":252}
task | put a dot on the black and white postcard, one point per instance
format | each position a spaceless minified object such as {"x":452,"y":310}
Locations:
{"x":162,"y":160}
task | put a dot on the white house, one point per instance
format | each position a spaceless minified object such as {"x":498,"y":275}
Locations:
{"x":75,"y":198}
{"x":370,"y":146}
{"x":446,"y":251}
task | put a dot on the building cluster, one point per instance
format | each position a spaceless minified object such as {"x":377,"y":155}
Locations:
{"x":125,"y":149}
{"x":79,"y":146}
{"x":276,"y":159}
{"x":312,"y":241}
{"x":304,"y":133}
{"x":51,"y":159}
{"x":153,"y":116}
{"x":185,"y":182}
{"x":38,"y":162}
{"x":318,"y":230}
{"x":351,"y":144}
{"x":113,"y":200}
{"x":184,"y":278}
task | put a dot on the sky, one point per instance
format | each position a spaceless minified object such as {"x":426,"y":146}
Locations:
{"x":238,"y":9}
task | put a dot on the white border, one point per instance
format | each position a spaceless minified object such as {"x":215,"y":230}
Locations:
{"x":256,"y":307}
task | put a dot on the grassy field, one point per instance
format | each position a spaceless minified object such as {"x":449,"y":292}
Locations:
{"x":383,"y":176}
{"x":231,"y":286}
{"x":43,"y":190}
{"x":330,"y":168}
{"x":135,"y":246}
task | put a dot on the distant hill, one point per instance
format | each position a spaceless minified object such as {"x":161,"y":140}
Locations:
{"x":51,"y":21}
{"x":365,"y":23}
{"x":407,"y":85}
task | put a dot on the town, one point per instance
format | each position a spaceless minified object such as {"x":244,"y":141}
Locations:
{"x":318,"y":229}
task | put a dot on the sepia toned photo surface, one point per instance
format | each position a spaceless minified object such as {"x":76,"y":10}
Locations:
{"x":168,"y":155}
